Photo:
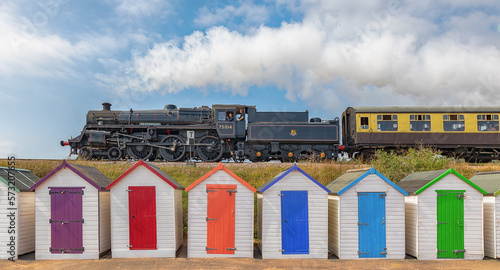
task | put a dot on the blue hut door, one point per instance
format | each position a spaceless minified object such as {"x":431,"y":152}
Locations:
{"x":294,"y":222}
{"x":371,"y":225}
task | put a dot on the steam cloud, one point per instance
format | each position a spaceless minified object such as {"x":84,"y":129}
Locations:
{"x":358,"y":54}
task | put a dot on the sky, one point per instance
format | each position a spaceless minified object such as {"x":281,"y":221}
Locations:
{"x":62,"y":58}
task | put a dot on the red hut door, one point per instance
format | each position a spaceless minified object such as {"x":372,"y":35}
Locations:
{"x":142,"y":217}
{"x":220,"y":219}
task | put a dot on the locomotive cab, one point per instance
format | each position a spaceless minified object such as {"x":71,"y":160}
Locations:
{"x":231,"y":120}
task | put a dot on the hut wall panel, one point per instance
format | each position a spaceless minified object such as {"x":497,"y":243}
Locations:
{"x":318,"y":218}
{"x":105,"y":222}
{"x":473,"y":219}
{"x":26,"y":222}
{"x":197,"y":224}
{"x":411,"y":221}
{"x":66,"y":178}
{"x":165,"y":221}
{"x":179,"y":222}
{"x":333,"y":224}
{"x":489,"y":226}
{"x":5,"y":221}
{"x":395,"y":218}
{"x":497,"y":226}
{"x":259,"y":220}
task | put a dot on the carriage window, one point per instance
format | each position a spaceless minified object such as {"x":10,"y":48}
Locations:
{"x":364,"y":122}
{"x":487,"y":122}
{"x":454,"y":122}
{"x":387,"y":122}
{"x":420,"y":122}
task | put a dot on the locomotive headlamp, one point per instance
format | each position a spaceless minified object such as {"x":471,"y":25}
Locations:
{"x":323,"y":155}
{"x":290,"y":154}
{"x":259,"y":154}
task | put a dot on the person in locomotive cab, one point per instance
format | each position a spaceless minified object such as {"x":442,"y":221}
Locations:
{"x":241,"y":114}
{"x":229,"y":116}
{"x":491,"y":127}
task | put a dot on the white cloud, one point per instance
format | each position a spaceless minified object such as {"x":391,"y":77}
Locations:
{"x":138,"y":8}
{"x":8,"y":149}
{"x":375,"y":52}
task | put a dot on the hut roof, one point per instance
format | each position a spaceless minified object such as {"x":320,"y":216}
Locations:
{"x":23,"y":179}
{"x":216,"y":169}
{"x":282,"y":174}
{"x":489,"y":181}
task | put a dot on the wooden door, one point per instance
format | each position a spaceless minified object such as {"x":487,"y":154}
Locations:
{"x":220,"y":219}
{"x":294,"y":222}
{"x":450,"y":223}
{"x":371,"y":225}
{"x":66,"y":220}
{"x":142,"y":217}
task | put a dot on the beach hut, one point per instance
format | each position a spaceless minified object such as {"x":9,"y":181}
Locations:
{"x":72,"y":213}
{"x":17,"y":212}
{"x":292,"y":216}
{"x":146,"y":213}
{"x":444,"y":216}
{"x":490,"y":182}
{"x":220,"y":215}
{"x":366,"y":214}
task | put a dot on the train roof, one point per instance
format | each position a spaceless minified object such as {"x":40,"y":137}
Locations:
{"x":423,"y":109}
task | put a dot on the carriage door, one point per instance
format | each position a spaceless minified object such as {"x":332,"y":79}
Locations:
{"x":450,"y":223}
{"x":220,"y":219}
{"x":142,"y":217}
{"x":371,"y":225}
{"x":294,"y":222}
{"x":66,"y":220}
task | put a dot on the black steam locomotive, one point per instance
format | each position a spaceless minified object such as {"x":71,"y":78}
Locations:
{"x":235,"y":132}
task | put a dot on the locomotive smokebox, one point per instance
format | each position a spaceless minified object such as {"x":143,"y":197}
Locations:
{"x":106,"y":106}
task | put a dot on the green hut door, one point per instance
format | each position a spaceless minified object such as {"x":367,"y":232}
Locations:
{"x":450,"y":223}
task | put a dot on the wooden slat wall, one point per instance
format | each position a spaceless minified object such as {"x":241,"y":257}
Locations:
{"x":165,"y":216}
{"x":489,"y":226}
{"x":66,"y":178}
{"x":333,"y":224}
{"x":197,"y":213}
{"x":473,"y":219}
{"x":411,"y":221}
{"x":318,"y":218}
{"x":105,"y":221}
{"x":395,"y":218}
{"x":26,"y":222}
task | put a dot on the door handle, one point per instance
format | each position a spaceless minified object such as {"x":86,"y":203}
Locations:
{"x":284,"y":220}
{"x":133,"y":216}
{"x":383,"y":220}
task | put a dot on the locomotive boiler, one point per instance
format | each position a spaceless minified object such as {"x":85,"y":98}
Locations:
{"x":237,"y":132}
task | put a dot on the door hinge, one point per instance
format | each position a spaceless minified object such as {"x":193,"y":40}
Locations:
{"x":442,"y":222}
{"x":459,"y":251}
{"x":359,"y":252}
{"x":65,"y":191}
{"x":442,"y":250}
{"x":383,"y":253}
{"x":211,"y":190}
{"x":64,"y":222}
{"x":128,"y":190}
{"x":441,"y":195}
{"x":382,"y":195}
{"x":207,"y":248}
{"x":281,"y":195}
{"x":230,"y":248}
{"x":232,"y":191}
{"x":459,"y":196}
{"x":281,"y":250}
{"x":130,"y":246}
{"x":211,"y":219}
{"x":63,"y":250}
{"x":362,"y":223}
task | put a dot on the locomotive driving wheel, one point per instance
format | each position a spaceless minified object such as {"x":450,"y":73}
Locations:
{"x":85,"y":153}
{"x":175,"y":148}
{"x":210,"y":149}
{"x":114,"y":153}
{"x":139,"y":151}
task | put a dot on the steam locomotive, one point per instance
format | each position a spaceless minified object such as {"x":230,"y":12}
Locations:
{"x":237,"y":132}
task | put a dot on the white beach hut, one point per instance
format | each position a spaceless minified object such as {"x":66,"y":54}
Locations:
{"x":444,"y":216}
{"x":292,"y":216}
{"x":72,"y":214}
{"x":17,"y":212}
{"x":366,"y":216}
{"x":146,"y":213}
{"x":220,"y":215}
{"x":490,"y":182}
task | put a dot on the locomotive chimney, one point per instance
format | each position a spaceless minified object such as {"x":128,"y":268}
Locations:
{"x":106,"y":106}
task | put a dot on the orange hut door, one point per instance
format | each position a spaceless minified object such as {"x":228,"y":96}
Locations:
{"x":220,"y":219}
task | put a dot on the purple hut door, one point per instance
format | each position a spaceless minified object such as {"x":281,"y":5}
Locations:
{"x":66,"y":220}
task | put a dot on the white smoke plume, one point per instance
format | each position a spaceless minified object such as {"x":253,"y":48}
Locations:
{"x":380,"y":53}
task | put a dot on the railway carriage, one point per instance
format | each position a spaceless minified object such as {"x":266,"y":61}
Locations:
{"x":469,"y":132}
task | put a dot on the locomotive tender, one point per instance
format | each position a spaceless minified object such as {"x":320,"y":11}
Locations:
{"x":209,"y":134}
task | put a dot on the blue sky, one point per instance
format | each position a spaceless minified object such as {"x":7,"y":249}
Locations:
{"x":61,"y":58}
